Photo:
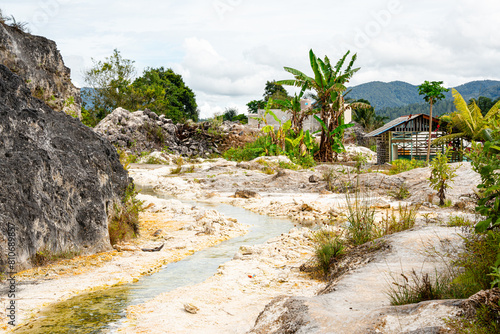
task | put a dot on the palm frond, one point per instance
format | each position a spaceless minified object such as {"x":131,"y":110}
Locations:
{"x":318,"y":77}
{"x":351,"y":63}
{"x":494,"y":111}
{"x":447,"y":138}
{"x":339,"y":64}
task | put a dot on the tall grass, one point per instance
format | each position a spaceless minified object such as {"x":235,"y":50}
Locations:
{"x":328,"y":247}
{"x":361,"y":226}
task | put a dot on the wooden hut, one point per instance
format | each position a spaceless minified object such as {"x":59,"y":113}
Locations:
{"x":406,"y":138}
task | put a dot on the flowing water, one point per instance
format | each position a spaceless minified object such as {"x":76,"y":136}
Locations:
{"x":104,"y":311}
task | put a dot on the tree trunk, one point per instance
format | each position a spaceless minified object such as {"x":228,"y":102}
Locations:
{"x":430,"y":134}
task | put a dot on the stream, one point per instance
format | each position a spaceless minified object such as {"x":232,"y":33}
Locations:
{"x":104,"y":311}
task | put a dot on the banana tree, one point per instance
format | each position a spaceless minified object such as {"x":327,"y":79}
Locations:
{"x":329,"y":84}
{"x":277,"y":135}
{"x":337,"y":136}
{"x":298,"y":115}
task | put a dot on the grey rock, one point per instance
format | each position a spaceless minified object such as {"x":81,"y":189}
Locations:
{"x":38,"y":62}
{"x":58,"y":179}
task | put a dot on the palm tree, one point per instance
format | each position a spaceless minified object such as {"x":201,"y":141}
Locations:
{"x":432,"y":91}
{"x":468,"y":119}
{"x":329,"y":84}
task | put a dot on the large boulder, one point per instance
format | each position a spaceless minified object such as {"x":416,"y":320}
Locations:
{"x":38,"y":62}
{"x":58,"y":178}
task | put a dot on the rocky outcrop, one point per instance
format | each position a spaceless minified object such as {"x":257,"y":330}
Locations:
{"x":38,"y":62}
{"x":356,"y":299}
{"x":141,"y":131}
{"x":58,"y":179}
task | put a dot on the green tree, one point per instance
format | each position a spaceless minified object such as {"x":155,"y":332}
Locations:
{"x":165,"y":93}
{"x":329,"y":84}
{"x":432,"y":91}
{"x":365,"y":115}
{"x":255,"y":105}
{"x":230,"y":114}
{"x":275,"y":91}
{"x":243,"y":119}
{"x":109,"y":81}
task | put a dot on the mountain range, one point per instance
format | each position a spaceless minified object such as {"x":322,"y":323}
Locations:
{"x":398,"y":93}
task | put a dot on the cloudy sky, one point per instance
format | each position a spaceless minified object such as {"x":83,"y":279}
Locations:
{"x":226,"y":50}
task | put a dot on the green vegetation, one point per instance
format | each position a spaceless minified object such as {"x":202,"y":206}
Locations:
{"x":469,"y":120}
{"x":361,"y":226}
{"x":123,"y":223}
{"x":329,"y":85}
{"x":486,"y":161}
{"x":282,"y":140}
{"x":111,"y":86}
{"x":365,"y":115}
{"x":402,"y":192}
{"x":401,"y":220}
{"x":328,"y":246}
{"x":442,"y":174}
{"x":45,"y":256}
{"x":403,"y":165}
{"x":458,"y":221}
{"x":432,"y":92}
{"x":231,"y":114}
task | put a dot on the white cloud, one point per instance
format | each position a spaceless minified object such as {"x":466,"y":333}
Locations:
{"x":226,"y":50}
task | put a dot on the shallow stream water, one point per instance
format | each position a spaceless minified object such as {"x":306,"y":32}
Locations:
{"x":104,"y":311}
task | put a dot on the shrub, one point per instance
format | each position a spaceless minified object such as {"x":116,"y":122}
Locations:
{"x":124,"y":220}
{"x":441,"y":175}
{"x":477,"y":259}
{"x":485,"y":321}
{"x":486,"y":161}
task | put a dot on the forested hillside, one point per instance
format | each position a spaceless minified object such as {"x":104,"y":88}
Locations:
{"x":397,"y":98}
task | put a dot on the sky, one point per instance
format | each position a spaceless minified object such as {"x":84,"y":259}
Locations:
{"x":226,"y":50}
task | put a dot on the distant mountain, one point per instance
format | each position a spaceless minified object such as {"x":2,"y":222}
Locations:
{"x":395,"y":94}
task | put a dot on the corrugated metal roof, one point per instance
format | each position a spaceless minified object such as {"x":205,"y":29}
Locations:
{"x":392,"y":124}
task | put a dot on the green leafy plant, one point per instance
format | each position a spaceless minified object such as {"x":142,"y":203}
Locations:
{"x":486,"y":161}
{"x":442,"y":174}
{"x":458,"y":221}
